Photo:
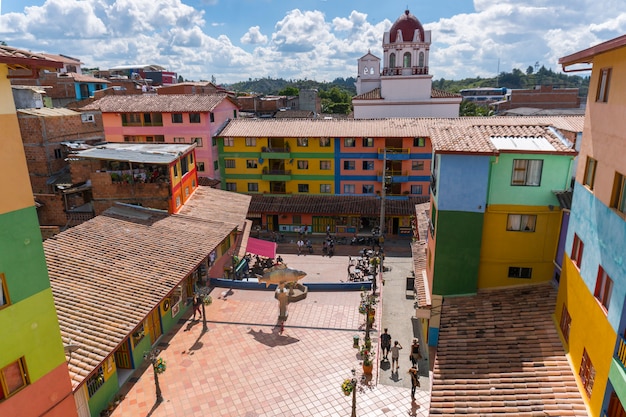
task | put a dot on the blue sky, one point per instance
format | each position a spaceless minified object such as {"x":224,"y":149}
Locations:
{"x":234,"y":40}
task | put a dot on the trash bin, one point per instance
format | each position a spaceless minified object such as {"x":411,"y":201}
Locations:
{"x":355,"y":341}
{"x":410,"y":283}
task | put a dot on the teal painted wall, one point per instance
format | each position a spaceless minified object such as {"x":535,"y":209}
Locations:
{"x":457,"y":252}
{"x":35,"y":334}
{"x":22,"y":258}
{"x":555,"y":175}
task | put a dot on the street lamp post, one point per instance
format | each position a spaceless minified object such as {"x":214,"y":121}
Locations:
{"x":203,"y":292}
{"x":354,"y":384}
{"x":153,"y":357}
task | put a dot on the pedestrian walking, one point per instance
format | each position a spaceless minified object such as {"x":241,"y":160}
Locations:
{"x":197,"y":302}
{"x":415,"y":381}
{"x":395,"y":354}
{"x":385,"y":343}
{"x":300,"y":246}
{"x":415,"y":352}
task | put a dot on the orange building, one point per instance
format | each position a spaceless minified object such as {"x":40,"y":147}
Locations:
{"x":157,"y":176}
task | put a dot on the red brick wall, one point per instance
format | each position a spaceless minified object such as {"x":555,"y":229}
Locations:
{"x":49,"y":231}
{"x":544,"y":98}
{"x":52,"y":213}
{"x":42,"y":135}
{"x":106,"y":193}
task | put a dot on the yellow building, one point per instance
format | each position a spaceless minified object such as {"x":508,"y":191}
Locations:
{"x":590,"y":304}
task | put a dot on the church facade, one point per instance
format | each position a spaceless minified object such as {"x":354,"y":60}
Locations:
{"x":403,"y":87}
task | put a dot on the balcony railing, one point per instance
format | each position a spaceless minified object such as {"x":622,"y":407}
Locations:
{"x":394,"y":153}
{"x":267,"y":171}
{"x":621,"y":351}
{"x":405,"y":71}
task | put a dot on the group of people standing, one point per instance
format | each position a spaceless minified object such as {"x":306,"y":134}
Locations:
{"x":415,"y":355}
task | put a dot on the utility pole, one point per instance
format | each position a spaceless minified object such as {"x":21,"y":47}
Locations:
{"x":381,"y":228}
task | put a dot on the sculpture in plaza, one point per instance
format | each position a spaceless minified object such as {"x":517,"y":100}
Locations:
{"x":281,"y":275}
{"x":288,"y":289}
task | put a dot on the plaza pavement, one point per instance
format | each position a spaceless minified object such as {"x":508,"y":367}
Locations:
{"x":244,"y":366}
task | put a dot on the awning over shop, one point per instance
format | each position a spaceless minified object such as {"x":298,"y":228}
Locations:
{"x":261,"y":247}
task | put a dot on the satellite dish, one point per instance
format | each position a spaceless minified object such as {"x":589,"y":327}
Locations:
{"x":70,"y":348}
{"x":260,"y":160}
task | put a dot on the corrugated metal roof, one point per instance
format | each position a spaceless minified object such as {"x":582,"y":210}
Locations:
{"x":48,"y":112}
{"x":521,"y":143}
{"x":158,"y":103}
{"x":109,"y":273}
{"x":137,"y":152}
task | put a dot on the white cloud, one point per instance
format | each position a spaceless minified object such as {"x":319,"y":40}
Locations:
{"x":253,"y":36}
{"x":306,"y":43}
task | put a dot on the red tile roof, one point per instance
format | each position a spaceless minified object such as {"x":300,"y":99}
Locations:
{"x":375,"y":94}
{"x":499,"y":354}
{"x":158,"y":103}
{"x":109,"y":273}
{"x":463,"y":134}
{"x":587,"y":55}
{"x":418,"y":250}
{"x":83,"y":78}
{"x":332,"y":205}
{"x":22,"y":59}
{"x":469,"y":138}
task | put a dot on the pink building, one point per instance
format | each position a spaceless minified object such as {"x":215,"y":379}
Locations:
{"x":169,"y":118}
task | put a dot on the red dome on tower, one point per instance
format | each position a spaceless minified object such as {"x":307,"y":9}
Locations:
{"x":407,"y":23}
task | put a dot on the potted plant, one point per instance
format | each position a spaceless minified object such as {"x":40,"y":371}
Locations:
{"x":367,"y":356}
{"x":347,"y":386}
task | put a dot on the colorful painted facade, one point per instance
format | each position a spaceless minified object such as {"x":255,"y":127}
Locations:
{"x":317,"y":157}
{"x":590,"y":306}
{"x":34,"y":377}
{"x":169,"y":118}
{"x":495,"y":219}
{"x":110,"y":331}
{"x":157,"y":176}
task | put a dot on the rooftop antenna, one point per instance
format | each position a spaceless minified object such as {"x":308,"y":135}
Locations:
{"x":498,"y":74}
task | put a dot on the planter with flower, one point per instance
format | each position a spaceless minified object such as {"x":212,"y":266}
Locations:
{"x":347,"y":386}
{"x":367,"y":356}
{"x":366,"y":307}
{"x":207,"y":300}
{"x":159,"y":366}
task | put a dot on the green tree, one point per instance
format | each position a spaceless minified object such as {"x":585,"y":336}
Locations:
{"x":289,"y":91}
{"x":529,"y":70}
{"x":469,"y":108}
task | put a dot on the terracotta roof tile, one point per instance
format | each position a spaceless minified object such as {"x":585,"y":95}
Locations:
{"x":375,"y":94}
{"x":418,"y":249}
{"x":83,"y":78}
{"x":499,"y":353}
{"x":435,"y":93}
{"x":109,"y":273}
{"x":467,"y":134}
{"x":20,"y":58}
{"x":370,"y":95}
{"x":158,"y":103}
{"x":332,"y":205}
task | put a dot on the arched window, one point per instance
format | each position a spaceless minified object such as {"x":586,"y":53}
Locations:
{"x":365,"y":70}
{"x":392,"y":60}
{"x":372,"y":71}
{"x":421,"y":59}
{"x":407,"y":60}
